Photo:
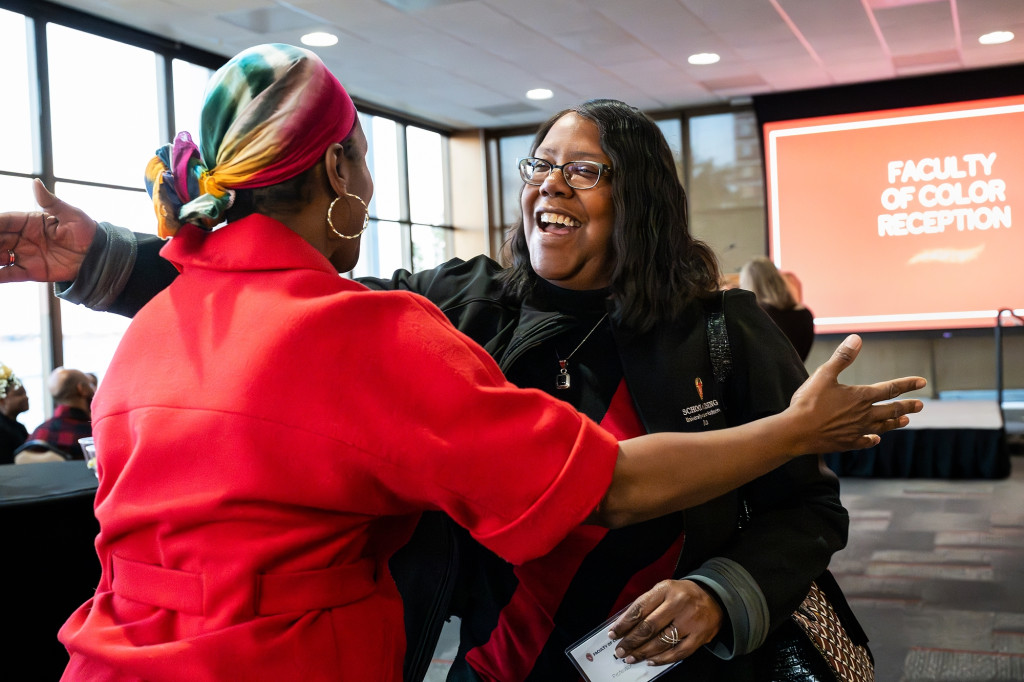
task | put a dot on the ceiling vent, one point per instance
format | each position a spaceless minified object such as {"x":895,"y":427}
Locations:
{"x":510,"y":109}
{"x":929,"y":60}
{"x":738,"y":84}
{"x":889,"y":4}
{"x":270,"y":19}
{"x":420,"y":5}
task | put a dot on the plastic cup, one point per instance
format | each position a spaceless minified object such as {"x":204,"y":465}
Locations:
{"x":89,"y":450}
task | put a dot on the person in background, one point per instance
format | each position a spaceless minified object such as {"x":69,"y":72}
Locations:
{"x":775,"y":297}
{"x":72,"y":392}
{"x":13,"y":401}
{"x":253,"y":484}
{"x":796,"y":287}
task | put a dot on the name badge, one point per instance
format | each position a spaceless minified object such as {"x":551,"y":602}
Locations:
{"x":594,"y":658}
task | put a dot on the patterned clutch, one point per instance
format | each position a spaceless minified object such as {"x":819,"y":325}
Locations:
{"x":818,"y":620}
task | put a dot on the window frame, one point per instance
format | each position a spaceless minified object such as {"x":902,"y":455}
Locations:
{"x":38,"y":14}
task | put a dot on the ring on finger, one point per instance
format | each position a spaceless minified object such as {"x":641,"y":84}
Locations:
{"x":10,"y":258}
{"x":670,"y":636}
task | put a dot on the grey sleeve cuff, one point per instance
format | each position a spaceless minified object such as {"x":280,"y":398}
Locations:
{"x":744,"y":604}
{"x":104,"y":272}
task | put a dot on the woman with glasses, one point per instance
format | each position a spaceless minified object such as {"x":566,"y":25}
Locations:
{"x":618,"y":312}
{"x":610,"y":305}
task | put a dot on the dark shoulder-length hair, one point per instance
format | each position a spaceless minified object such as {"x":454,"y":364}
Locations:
{"x":658,"y":266}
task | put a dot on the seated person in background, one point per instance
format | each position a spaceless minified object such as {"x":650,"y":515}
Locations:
{"x":13,"y":401}
{"x":72,"y":392}
{"x":760,"y":276}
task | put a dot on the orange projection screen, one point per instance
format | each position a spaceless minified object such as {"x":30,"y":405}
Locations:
{"x":901,"y":219}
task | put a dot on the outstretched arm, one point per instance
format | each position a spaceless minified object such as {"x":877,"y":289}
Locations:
{"x":823,"y":416}
{"x":100,"y":266}
{"x":47,"y":246}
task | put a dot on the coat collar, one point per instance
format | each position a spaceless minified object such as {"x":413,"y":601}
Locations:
{"x":253,"y":243}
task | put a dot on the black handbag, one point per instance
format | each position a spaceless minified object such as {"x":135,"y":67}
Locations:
{"x":815,"y":645}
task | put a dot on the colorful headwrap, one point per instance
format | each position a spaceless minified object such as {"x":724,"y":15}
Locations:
{"x":7,"y":381}
{"x":270,"y":113}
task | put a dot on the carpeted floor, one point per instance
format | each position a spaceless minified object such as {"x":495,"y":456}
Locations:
{"x":935,"y":571}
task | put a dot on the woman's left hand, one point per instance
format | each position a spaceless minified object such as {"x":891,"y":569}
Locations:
{"x":677,"y":611}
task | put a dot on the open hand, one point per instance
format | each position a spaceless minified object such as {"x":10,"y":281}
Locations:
{"x":48,"y":246}
{"x":850,"y":417}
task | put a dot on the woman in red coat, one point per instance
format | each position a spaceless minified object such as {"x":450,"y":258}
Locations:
{"x":269,"y":432}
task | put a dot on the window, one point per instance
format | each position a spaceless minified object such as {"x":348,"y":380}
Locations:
{"x":105,"y":130}
{"x":189,"y":93}
{"x":431,"y":243}
{"x":725,"y":186}
{"x":409,"y":212}
{"x":510,"y":150}
{"x":16,"y":134}
{"x":383,"y":161}
{"x":23,"y":304}
{"x":672,"y":129}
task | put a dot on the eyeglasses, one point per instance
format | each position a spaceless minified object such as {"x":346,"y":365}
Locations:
{"x":577,"y":174}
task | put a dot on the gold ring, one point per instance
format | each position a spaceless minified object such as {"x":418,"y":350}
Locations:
{"x":670,"y":636}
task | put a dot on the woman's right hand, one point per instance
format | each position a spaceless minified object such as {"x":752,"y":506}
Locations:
{"x":48,"y":246}
{"x":848,"y":417}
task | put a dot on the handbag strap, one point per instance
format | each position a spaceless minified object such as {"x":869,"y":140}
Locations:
{"x":718,"y":338}
{"x":721,"y":366}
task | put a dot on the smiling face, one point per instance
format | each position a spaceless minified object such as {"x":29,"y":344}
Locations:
{"x":568,"y":231}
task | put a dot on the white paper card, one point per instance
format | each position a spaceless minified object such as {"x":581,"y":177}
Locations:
{"x":594,"y":657}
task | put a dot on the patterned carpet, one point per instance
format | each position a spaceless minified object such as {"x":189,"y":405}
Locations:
{"x":935,"y":571}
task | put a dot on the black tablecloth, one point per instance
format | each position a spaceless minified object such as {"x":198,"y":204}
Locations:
{"x":929,"y":453}
{"x":49,"y":561}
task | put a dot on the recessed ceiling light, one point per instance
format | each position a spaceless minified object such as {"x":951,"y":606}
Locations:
{"x":996,"y":37}
{"x":703,"y":58}
{"x":539,"y":93}
{"x":319,"y":39}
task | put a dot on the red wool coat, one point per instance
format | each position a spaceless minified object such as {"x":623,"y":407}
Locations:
{"x":268,"y":433}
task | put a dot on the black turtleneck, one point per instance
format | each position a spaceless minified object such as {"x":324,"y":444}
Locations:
{"x":594,"y":369}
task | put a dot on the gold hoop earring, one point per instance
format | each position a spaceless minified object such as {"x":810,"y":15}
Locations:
{"x":366,"y":217}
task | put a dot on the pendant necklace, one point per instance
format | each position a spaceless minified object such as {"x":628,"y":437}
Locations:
{"x":562,"y":381}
